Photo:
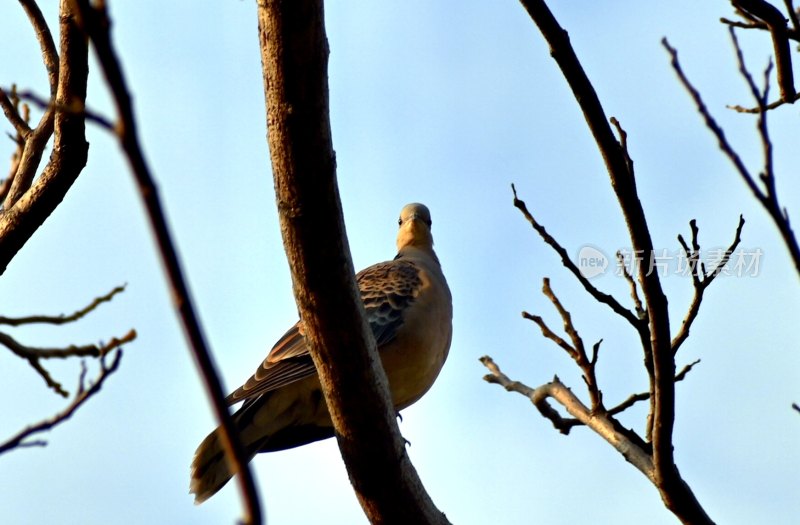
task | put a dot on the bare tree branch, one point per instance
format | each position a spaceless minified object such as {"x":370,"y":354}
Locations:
{"x":655,"y":336}
{"x":63,"y":319}
{"x":576,"y":350}
{"x":36,"y":141}
{"x":700,"y":278}
{"x":767,"y":107}
{"x":46,"y":42}
{"x":84,"y":392}
{"x":11,"y":111}
{"x":73,"y":109}
{"x":34,"y":355}
{"x":97,"y":26}
{"x":776,"y":23}
{"x":601,"y":297}
{"x":28,"y":203}
{"x":624,"y":442}
{"x":644,"y":396}
{"x":768,"y":195}
{"x":641,"y":313}
{"x":294,"y":54}
{"x":795,"y":30}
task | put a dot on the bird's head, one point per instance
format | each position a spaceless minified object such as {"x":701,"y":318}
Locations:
{"x":415,"y":227}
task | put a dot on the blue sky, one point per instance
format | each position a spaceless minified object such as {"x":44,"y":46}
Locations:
{"x":443,"y":103}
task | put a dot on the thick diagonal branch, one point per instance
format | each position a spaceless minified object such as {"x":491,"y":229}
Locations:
{"x":294,"y":53}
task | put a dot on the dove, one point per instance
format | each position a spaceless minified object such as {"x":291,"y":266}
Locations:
{"x":409,"y":309}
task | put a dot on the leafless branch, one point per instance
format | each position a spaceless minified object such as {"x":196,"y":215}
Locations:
{"x":10,"y":107}
{"x":776,"y":23}
{"x":576,"y":350}
{"x":768,"y":195}
{"x":655,"y":334}
{"x":601,"y":297}
{"x":644,"y":396}
{"x":625,"y":442}
{"x":294,"y":56}
{"x":701,"y":279}
{"x":641,"y":313}
{"x":795,"y":30}
{"x":28,"y":202}
{"x":36,"y":139}
{"x":97,"y":26}
{"x":63,"y":319}
{"x":767,"y":107}
{"x":84,"y":392}
{"x":34,"y":355}
{"x":73,"y":109}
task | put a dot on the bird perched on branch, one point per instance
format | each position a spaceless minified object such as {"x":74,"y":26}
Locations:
{"x":409,"y":310}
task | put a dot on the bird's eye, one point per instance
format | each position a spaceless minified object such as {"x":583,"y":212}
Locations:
{"x":400,"y":221}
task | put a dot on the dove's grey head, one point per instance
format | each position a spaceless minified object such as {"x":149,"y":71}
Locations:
{"x":415,"y":227}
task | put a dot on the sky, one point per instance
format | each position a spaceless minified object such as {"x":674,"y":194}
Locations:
{"x":445,"y":103}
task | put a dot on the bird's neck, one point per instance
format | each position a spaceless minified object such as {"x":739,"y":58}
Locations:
{"x":413,"y":251}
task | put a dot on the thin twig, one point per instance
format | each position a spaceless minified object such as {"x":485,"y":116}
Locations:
{"x":644,"y":396}
{"x":765,"y":107}
{"x":743,"y":25}
{"x":792,"y":15}
{"x":641,"y":313}
{"x":700,"y":278}
{"x":12,"y":114}
{"x":83,"y":394}
{"x":709,"y":120}
{"x":34,"y":355}
{"x":92,"y":350}
{"x":63,"y":319}
{"x":75,"y":108}
{"x":97,"y":26}
{"x":776,"y":22}
{"x":768,"y":197}
{"x":601,"y":297}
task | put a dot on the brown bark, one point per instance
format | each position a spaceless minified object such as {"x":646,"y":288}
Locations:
{"x":659,"y":358}
{"x":294,"y":53}
{"x":70,"y":149}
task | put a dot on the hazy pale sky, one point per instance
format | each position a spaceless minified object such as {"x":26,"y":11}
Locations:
{"x":445,"y":103}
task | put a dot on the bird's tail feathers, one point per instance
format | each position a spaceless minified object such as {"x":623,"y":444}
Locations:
{"x":210,"y":470}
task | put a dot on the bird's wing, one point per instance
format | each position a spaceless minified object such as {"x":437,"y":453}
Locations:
{"x":387,"y":290}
